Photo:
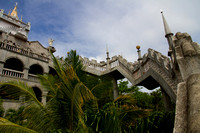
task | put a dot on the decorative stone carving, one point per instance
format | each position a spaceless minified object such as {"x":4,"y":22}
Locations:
{"x":1,"y":12}
{"x":188,"y":59}
{"x":188,"y":47}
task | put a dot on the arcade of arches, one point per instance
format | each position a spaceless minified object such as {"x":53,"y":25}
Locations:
{"x":14,"y":67}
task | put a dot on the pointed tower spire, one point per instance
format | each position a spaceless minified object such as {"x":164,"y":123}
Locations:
{"x":166,"y":26}
{"x":108,"y":58}
{"x":14,"y":12}
{"x":169,"y":36}
{"x":107,"y":53}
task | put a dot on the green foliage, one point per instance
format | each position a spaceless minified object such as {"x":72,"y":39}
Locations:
{"x":144,"y":100}
{"x":81,"y":103}
{"x":8,"y":127}
{"x":117,"y":116}
{"x":15,"y":116}
{"x":1,"y":107}
{"x":123,"y":87}
{"x":157,"y":122}
{"x":64,"y":110}
{"x":149,"y":101}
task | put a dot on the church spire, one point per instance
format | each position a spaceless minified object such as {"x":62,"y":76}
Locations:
{"x":166,"y":27}
{"x":14,"y":12}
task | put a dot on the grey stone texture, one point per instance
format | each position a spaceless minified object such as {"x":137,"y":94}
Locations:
{"x":188,"y":59}
{"x":15,"y":49}
{"x":180,"y":125}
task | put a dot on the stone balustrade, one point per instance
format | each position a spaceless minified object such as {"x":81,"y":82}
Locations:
{"x":19,"y":74}
{"x":12,"y":73}
{"x":131,"y":68}
{"x":23,"y":51}
{"x":33,"y":77}
{"x":16,"y":21}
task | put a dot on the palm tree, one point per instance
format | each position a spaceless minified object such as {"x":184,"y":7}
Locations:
{"x":71,"y":106}
{"x":63,"y":112}
{"x":117,"y":116}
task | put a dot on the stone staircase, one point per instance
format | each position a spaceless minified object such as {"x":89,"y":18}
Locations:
{"x":151,"y":61}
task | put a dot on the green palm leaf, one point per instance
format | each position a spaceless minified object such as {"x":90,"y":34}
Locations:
{"x":18,"y":88}
{"x":7,"y":126}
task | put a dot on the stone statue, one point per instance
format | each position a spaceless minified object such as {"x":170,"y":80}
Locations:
{"x":188,"y":92}
{"x":189,"y":48}
{"x":51,"y":42}
{"x":1,"y":12}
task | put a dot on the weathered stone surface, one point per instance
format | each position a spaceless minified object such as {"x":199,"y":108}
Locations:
{"x":193,"y":86}
{"x":188,"y":59}
{"x":180,"y":125}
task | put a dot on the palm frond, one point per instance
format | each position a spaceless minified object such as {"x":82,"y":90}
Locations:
{"x":7,"y":126}
{"x":18,"y":88}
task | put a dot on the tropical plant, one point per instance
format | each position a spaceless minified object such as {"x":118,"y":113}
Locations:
{"x":157,"y":122}
{"x":14,"y":115}
{"x":77,"y":102}
{"x":63,"y":112}
{"x":1,"y":108}
{"x":116,"y":116}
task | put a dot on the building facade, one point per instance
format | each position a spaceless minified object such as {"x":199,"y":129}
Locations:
{"x":21,"y":59}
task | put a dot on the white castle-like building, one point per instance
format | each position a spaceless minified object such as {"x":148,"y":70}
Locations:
{"x":177,"y":76}
{"x":21,"y":59}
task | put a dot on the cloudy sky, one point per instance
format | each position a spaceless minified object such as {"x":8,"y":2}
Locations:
{"x":89,"y":25}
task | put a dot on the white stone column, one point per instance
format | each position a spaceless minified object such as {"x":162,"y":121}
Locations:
{"x":25,"y":71}
{"x":44,"y":97}
{"x":115,"y":88}
{"x":1,"y":67}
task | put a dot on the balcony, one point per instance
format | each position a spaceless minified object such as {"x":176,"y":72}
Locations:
{"x":23,"y":51}
{"x":33,"y":77}
{"x":12,"y":73}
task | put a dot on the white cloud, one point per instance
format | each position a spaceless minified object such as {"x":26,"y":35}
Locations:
{"x":88,"y":26}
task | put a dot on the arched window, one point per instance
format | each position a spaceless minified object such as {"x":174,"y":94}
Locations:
{"x":35,"y":69}
{"x":52,"y":71}
{"x":38,"y":93}
{"x":14,"y":64}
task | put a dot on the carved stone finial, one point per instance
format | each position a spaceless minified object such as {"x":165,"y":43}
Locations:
{"x":138,"y":47}
{"x":139,"y":53}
